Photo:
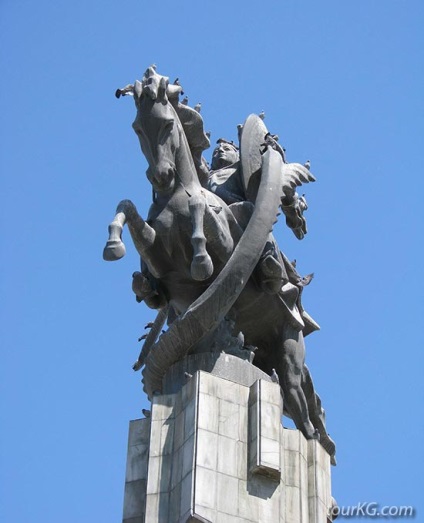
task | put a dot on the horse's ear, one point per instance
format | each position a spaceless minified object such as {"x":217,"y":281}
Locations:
{"x":150,"y":71}
{"x":173,"y":91}
{"x":138,"y":88}
{"x":163,"y":84}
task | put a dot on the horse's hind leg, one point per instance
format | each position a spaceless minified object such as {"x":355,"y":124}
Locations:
{"x":201,"y":266}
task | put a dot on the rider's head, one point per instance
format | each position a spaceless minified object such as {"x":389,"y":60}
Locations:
{"x":224,"y":154}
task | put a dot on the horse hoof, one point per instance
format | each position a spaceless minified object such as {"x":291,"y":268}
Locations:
{"x":201,"y":268}
{"x":114,"y":250}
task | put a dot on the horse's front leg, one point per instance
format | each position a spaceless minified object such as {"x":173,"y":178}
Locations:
{"x":115,"y":248}
{"x":201,"y":266}
{"x":142,"y":234}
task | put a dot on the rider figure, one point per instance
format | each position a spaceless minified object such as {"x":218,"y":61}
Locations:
{"x":224,"y":178}
{"x":225,"y":181}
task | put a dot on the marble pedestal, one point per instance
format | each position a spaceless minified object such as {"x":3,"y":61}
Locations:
{"x":215,"y":451}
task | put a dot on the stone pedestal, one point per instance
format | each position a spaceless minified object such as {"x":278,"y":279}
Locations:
{"x":216,"y":451}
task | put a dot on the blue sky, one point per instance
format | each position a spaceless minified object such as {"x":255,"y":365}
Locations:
{"x":342,"y":85}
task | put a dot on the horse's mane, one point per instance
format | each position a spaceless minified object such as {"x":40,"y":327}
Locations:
{"x":193,"y":127}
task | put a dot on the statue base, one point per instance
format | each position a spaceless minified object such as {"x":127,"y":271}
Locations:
{"x":214,"y":450}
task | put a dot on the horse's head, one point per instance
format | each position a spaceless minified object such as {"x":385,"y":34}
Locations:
{"x":158,"y":128}
{"x":171,"y":134}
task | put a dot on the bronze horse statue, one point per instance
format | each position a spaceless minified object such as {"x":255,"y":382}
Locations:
{"x":199,"y":255}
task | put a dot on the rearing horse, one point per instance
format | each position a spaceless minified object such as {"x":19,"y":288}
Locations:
{"x":177,"y":191}
{"x":201,"y":257}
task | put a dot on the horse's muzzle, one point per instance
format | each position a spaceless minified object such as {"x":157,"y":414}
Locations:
{"x":162,"y":177}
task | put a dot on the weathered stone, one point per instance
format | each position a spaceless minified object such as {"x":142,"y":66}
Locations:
{"x":209,"y":476}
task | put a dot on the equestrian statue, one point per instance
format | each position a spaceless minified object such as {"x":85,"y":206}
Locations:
{"x":209,"y":261}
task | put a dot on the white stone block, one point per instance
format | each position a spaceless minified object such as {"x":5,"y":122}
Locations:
{"x":227,"y":456}
{"x":175,"y":504}
{"x":292,"y":440}
{"x":222,"y":517}
{"x":241,"y":451}
{"x":253,"y":420}
{"x":317,"y":511}
{"x":243,"y":422}
{"x":282,"y":497}
{"x":292,"y":476}
{"x":228,"y":390}
{"x":179,"y":436}
{"x":177,"y":468}
{"x":271,"y":420}
{"x":247,"y":505}
{"x":227,"y":494}
{"x":318,"y":484}
{"x":208,"y":384}
{"x":271,"y":391}
{"x":264,"y":431}
{"x":303,"y":446}
{"x":270,"y":453}
{"x":165,"y":473}
{"x":152,"y":505}
{"x":203,"y":515}
{"x":205,"y":488}
{"x":319,"y":478}
{"x":187,"y":493}
{"x":163,"y":508}
{"x":155,"y":438}
{"x":304,"y":500}
{"x":207,"y":449}
{"x":208,"y":409}
{"x":153,"y":474}
{"x":244,"y":393}
{"x":282,"y":453}
{"x":135,"y":499}
{"x":188,"y":451}
{"x":167,"y":436}
{"x":190,"y":418}
{"x":293,"y":511}
{"x":189,"y":390}
{"x":228,"y":419}
{"x":139,"y":432}
{"x":163,"y":407}
{"x":269,"y":509}
{"x":137,"y":459}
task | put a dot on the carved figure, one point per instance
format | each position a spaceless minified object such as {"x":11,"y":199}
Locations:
{"x":202,"y":259}
{"x":226,"y":180}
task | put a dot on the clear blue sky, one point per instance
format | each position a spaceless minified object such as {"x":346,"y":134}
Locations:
{"x":341,"y":83}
